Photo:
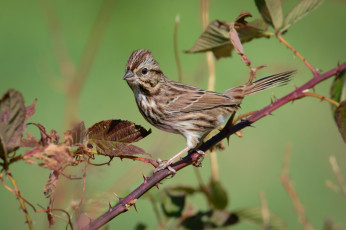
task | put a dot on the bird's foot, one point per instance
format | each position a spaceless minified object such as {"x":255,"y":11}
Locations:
{"x":200,"y":158}
{"x":164,"y":165}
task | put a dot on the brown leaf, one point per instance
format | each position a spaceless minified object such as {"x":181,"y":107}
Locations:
{"x":112,"y":137}
{"x":12,"y":120}
{"x":30,"y":110}
{"x":216,"y":36}
{"x":76,"y":135}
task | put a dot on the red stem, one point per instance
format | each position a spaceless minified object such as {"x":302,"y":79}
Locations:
{"x":125,"y":203}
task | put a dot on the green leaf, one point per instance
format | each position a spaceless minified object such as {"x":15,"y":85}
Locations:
{"x":338,"y":90}
{"x":172,"y":202}
{"x":299,"y":11}
{"x":217,"y":194}
{"x":254,"y":216}
{"x":271,"y":11}
{"x":113,"y":138}
{"x":216,"y":37}
{"x":340,"y":118}
{"x":210,"y":220}
{"x":12,"y":121}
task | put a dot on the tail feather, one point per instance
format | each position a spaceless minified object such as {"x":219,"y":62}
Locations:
{"x":269,"y":82}
{"x":238,"y":93}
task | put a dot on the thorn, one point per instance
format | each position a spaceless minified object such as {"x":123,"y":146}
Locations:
{"x":157,"y":186}
{"x":134,"y":205}
{"x":116,"y":195}
{"x":110,"y":206}
{"x":305,"y":91}
{"x":144,"y":178}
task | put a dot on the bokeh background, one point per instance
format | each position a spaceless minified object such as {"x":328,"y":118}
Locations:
{"x":42,"y":42}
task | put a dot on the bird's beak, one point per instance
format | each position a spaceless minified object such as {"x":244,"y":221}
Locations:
{"x":129,"y":74}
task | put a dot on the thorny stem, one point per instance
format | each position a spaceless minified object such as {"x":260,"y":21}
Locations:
{"x":125,"y":204}
{"x":21,"y":201}
{"x":281,"y":39}
{"x":323,"y":98}
{"x":285,"y":179}
{"x":176,"y":50}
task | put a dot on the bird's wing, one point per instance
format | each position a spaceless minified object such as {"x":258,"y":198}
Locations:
{"x":191,"y":99}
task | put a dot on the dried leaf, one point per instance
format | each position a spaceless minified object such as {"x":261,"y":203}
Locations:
{"x":30,"y":110}
{"x":340,"y":118}
{"x":216,"y":36}
{"x":271,"y":11}
{"x":217,"y":194}
{"x":53,"y":157}
{"x":12,"y":120}
{"x":29,"y":142}
{"x":254,"y":216}
{"x":172,"y":202}
{"x":46,"y":139}
{"x":76,"y":135}
{"x":299,"y":11}
{"x":112,"y":137}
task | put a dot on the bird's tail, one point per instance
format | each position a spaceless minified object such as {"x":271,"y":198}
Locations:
{"x":280,"y":79}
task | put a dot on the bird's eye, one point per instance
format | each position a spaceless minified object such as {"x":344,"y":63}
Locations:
{"x":144,"y":71}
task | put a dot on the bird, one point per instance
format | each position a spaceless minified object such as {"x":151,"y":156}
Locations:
{"x":183,"y":109}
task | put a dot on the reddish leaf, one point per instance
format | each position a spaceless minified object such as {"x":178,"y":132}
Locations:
{"x":112,"y":137}
{"x":12,"y":120}
{"x":30,"y":110}
{"x":340,"y":118}
{"x":216,"y":36}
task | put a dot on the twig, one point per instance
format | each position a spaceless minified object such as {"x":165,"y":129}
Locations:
{"x":264,"y":211}
{"x":176,"y":50}
{"x":323,"y":98}
{"x":193,"y":156}
{"x":337,"y":174}
{"x":281,"y":39}
{"x":285,"y":179}
{"x":16,"y":192}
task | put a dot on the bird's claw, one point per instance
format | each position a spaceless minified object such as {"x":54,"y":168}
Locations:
{"x":200,"y":158}
{"x":164,"y":165}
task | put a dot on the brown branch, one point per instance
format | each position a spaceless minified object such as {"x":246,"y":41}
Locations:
{"x":281,"y":39}
{"x":285,"y":179}
{"x":125,"y":203}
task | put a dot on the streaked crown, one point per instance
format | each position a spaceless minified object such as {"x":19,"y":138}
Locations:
{"x":140,"y":58}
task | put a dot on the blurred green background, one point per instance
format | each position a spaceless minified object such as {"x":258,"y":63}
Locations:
{"x":29,"y":63}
